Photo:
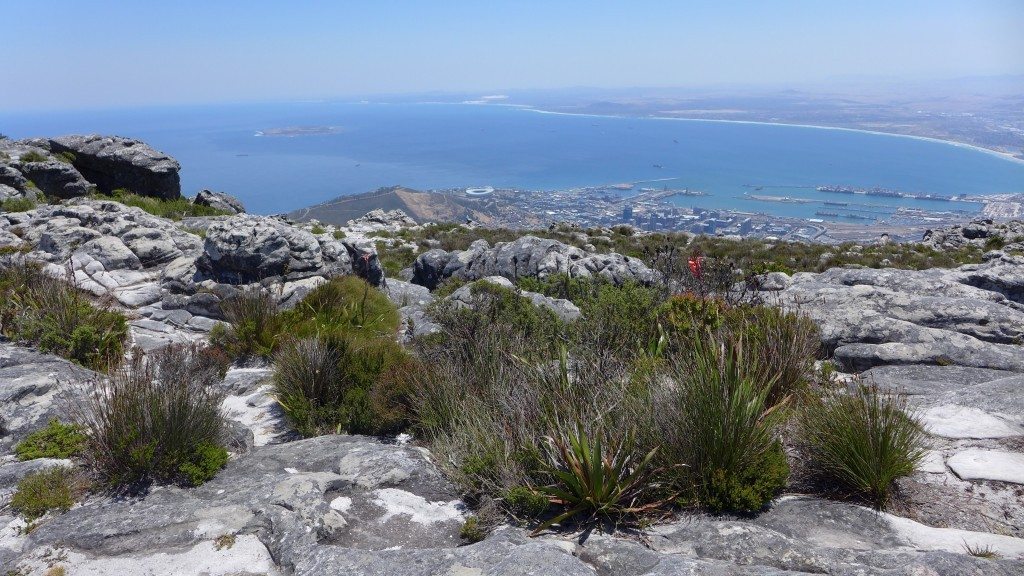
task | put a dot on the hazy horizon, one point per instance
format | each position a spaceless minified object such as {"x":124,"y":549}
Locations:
{"x":109,"y":54}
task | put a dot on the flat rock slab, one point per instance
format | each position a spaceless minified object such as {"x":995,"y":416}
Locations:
{"x":954,"y":421}
{"x":981,"y":464}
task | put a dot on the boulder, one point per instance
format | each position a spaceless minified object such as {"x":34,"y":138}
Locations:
{"x":219,"y":201}
{"x":244,"y":249}
{"x":56,"y":179}
{"x":112,"y":162}
{"x":529,"y":256}
{"x":12,"y":177}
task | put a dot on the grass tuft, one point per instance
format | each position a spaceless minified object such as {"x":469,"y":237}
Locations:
{"x":864,"y":439}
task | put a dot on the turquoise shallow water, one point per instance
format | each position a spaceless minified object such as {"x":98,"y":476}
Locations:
{"x":455,"y":145}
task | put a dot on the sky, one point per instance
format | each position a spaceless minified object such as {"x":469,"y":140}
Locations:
{"x":70,"y":54}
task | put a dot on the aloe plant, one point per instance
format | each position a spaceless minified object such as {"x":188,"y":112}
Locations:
{"x":600,"y":479}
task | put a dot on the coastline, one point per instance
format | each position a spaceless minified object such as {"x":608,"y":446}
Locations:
{"x":996,"y":153}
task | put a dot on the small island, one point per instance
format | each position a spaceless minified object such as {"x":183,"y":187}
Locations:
{"x":293,"y":131}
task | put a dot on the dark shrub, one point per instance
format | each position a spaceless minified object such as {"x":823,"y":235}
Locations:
{"x":783,"y":346}
{"x":51,"y":313}
{"x":324,"y":384}
{"x":157,"y":419}
{"x":863,"y":439}
{"x":56,"y":440}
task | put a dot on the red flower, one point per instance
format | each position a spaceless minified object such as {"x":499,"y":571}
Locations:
{"x":696,"y":265}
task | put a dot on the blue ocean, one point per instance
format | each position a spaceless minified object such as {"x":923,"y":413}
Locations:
{"x":434,"y":146}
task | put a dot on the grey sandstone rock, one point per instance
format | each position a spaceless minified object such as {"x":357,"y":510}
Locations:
{"x":219,"y":201}
{"x":56,"y":179}
{"x":112,"y":162}
{"x":528,"y":256}
{"x":966,"y":316}
{"x":111,"y":252}
{"x":245,"y":249}
{"x":564,"y":309}
{"x":11,"y":177}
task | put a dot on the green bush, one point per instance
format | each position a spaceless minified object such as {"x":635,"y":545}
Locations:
{"x":339,"y":234}
{"x":393,"y":259}
{"x":55,"y":488}
{"x":203,"y":463}
{"x":51,"y":313}
{"x":472,"y":531}
{"x":718,"y":424}
{"x":863,"y":439}
{"x":33,"y":156}
{"x":157,"y":419}
{"x":525,"y":502}
{"x":345,"y":306}
{"x":324,"y":384}
{"x":17,"y":205}
{"x":66,"y":157}
{"x":56,"y":440}
{"x":750,"y":489}
{"x":318,"y":230}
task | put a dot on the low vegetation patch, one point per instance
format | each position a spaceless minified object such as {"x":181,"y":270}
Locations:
{"x":33,"y":156}
{"x":641,"y":405}
{"x":56,"y":440}
{"x":670,"y":251}
{"x":864,"y":439}
{"x":17,"y":205}
{"x":345,"y":307}
{"x":56,"y":488}
{"x":157,"y":419}
{"x":175,"y":209}
{"x":50,"y":313}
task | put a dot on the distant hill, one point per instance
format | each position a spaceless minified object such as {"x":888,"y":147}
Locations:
{"x":421,"y":206}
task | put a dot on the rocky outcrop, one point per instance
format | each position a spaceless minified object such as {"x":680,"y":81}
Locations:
{"x":983,"y":234}
{"x":380,"y":219}
{"x":56,"y":179}
{"x":565,"y":310}
{"x":528,"y":256}
{"x":968,"y":316}
{"x":112,"y":162}
{"x":219,"y":201}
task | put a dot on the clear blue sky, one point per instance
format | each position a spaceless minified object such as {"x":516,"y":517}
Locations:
{"x":106,"y":53}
